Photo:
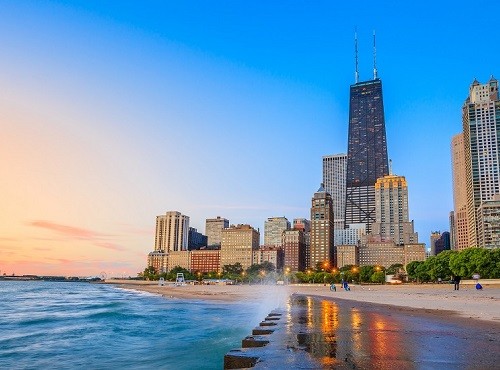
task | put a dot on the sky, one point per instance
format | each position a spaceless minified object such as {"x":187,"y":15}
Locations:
{"x":114,"y":112}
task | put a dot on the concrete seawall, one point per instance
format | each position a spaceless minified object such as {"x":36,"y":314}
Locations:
{"x":273,"y":344}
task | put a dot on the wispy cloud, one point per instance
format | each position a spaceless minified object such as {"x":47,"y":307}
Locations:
{"x":70,"y":231}
{"x":112,"y":246}
{"x":96,"y":238}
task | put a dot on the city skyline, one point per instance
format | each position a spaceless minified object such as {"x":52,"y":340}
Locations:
{"x":113,"y":114}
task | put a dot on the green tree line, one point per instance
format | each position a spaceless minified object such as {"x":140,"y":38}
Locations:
{"x":485,"y":262}
{"x":465,"y":263}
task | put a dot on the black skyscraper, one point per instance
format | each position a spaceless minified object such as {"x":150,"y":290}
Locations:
{"x":367,"y":151}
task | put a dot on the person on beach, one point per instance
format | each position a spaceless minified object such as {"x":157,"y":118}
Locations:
{"x":456,"y":282}
{"x":346,"y":286}
{"x":333,"y":288}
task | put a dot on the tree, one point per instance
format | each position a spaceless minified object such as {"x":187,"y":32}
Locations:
{"x":365,"y":273}
{"x":150,"y":273}
{"x":236,"y":269}
{"x":172,"y":274}
{"x":394,"y":269}
{"x":378,"y":277}
{"x":411,"y":269}
{"x":421,"y":272}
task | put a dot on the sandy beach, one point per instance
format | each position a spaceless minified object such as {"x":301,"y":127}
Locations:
{"x":434,"y":298}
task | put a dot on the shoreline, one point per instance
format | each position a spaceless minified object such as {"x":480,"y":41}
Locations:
{"x":429,"y":298}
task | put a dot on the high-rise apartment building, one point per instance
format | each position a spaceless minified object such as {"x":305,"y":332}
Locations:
{"x":460,"y":235}
{"x":334,"y":180}
{"x":322,"y":229}
{"x":213,"y":230}
{"x":481,"y":129}
{"x":304,"y":225}
{"x":391,"y":210}
{"x":367,"y":158}
{"x":239,"y":244}
{"x":294,"y":249}
{"x":172,"y":231}
{"x":273,"y":230}
{"x":488,"y":225}
{"x":196,"y":240}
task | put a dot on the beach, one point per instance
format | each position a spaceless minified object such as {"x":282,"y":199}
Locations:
{"x":369,"y":327}
{"x":434,"y":298}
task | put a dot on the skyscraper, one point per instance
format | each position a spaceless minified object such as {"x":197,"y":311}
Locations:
{"x":460,"y":225}
{"x":392,"y":214}
{"x":172,"y":231}
{"x":367,"y":151}
{"x":481,"y":128}
{"x":322,"y":230}
{"x":488,"y":223}
{"x":273,"y":230}
{"x":334,"y":172}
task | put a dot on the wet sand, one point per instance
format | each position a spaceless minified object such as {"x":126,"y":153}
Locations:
{"x":346,"y":334}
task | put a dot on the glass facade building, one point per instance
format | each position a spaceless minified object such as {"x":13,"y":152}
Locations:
{"x":367,"y":158}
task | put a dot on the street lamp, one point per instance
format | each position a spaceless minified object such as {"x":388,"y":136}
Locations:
{"x":287,"y":271}
{"x":354,"y":270}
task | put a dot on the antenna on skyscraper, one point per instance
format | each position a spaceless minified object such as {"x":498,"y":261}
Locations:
{"x":356,"y":74}
{"x":374,"y":57}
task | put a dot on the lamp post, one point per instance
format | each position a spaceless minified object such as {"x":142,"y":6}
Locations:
{"x":287,"y":271}
{"x":354,"y":270}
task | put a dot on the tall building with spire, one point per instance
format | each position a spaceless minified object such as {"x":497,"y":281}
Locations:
{"x":481,"y":129}
{"x":322,"y":234}
{"x":367,"y":158}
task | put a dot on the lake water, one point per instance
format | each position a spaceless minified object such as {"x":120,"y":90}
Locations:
{"x":61,"y":325}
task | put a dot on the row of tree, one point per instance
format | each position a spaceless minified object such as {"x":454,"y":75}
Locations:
{"x":485,"y":262}
{"x":465,"y":263}
{"x":258,"y":273}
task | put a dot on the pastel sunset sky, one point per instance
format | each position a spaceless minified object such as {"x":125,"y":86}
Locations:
{"x":114,"y":112}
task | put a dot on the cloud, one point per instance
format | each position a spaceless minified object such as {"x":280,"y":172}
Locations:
{"x":111,"y":246}
{"x":73,"y":232}
{"x":78,"y":233}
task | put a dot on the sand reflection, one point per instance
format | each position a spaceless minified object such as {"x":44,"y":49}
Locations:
{"x":335,"y":334}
